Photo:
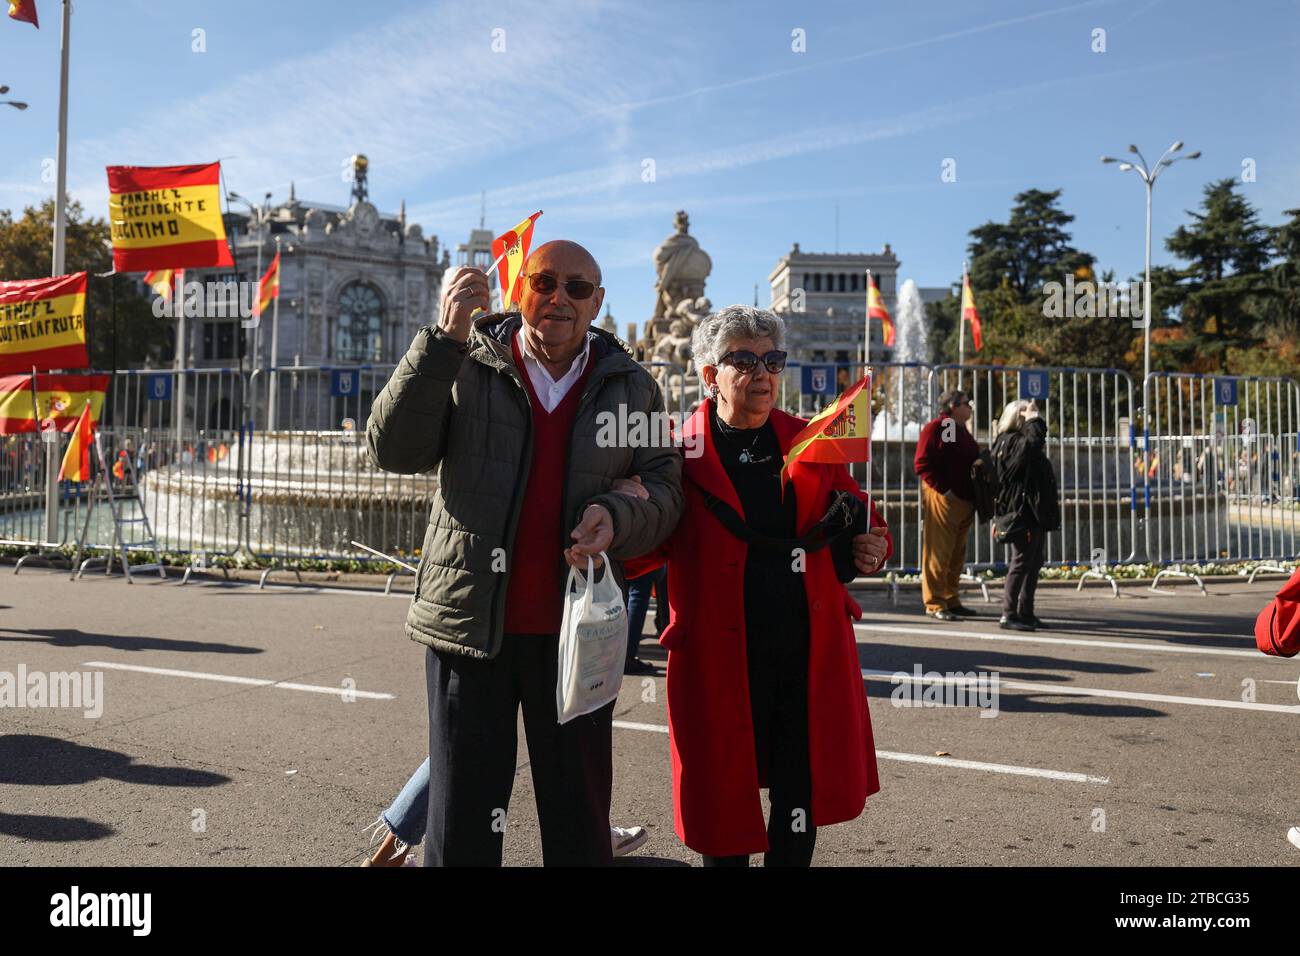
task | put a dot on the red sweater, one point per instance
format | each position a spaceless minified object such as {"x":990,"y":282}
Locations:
{"x":945,"y":465}
{"x":537,"y":574}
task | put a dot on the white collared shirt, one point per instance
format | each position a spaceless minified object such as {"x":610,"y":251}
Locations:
{"x":551,"y":391}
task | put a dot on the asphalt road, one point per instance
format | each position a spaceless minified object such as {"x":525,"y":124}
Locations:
{"x":1121,"y":735}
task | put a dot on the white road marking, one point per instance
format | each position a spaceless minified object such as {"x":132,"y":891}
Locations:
{"x":1071,"y":641}
{"x":230,"y":679}
{"x":1045,"y":689}
{"x":952,"y":762}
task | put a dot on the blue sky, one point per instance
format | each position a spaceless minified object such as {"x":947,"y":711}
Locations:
{"x":758,"y":142}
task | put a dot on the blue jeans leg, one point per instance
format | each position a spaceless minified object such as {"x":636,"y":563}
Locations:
{"x":638,"y":602}
{"x":409,"y":814}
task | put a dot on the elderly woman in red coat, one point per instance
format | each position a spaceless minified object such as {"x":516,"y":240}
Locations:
{"x":764,"y":684}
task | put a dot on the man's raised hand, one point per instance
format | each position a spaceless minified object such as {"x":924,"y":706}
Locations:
{"x":466,"y":291}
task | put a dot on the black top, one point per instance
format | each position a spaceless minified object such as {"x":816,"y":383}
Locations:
{"x":776,"y":605}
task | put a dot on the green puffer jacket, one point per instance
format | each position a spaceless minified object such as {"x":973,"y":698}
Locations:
{"x":465,"y":411}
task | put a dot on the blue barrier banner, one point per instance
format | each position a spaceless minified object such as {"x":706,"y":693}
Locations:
{"x":344,"y":382}
{"x":160,"y":388}
{"x":1033,"y":384}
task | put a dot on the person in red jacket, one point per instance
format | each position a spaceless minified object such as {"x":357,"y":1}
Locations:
{"x":1277,"y":632}
{"x":764,"y":682}
{"x":945,"y":452}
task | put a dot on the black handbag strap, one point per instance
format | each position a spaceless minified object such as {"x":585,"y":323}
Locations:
{"x":838,"y":518}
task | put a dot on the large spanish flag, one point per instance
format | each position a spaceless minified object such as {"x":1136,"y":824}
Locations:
{"x":969,"y":312}
{"x":876,"y":310}
{"x":43,"y":323}
{"x":24,"y":10}
{"x":515,"y":245}
{"x":58,"y":397}
{"x":76,"y":460}
{"x":166,"y":217}
{"x":268,"y":287}
{"x":840,"y":434}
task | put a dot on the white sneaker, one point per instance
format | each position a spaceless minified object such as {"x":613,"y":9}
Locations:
{"x":626,"y":839}
{"x":410,"y":859}
{"x":1294,"y":835}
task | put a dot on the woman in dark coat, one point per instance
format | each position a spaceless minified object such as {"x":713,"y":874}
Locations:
{"x":1027,"y":508}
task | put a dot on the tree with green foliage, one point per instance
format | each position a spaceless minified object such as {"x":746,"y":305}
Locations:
{"x":26,"y":251}
{"x":1222,"y":294}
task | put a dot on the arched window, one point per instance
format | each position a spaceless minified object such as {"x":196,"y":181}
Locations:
{"x":817,"y":281}
{"x":843,"y":288}
{"x":853,"y":281}
{"x":360,"y":331}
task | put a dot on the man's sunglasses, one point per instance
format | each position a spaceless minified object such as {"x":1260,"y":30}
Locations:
{"x":744,"y":361}
{"x":543,"y":284}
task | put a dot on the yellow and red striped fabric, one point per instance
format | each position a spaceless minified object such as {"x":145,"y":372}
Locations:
{"x":840,"y":434}
{"x":24,"y":10}
{"x":517,"y":241}
{"x":268,"y":287}
{"x":876,"y":310}
{"x":43,"y":323}
{"x":160,"y":280}
{"x":166,"y":217}
{"x":58,"y":397}
{"x":76,"y":460}
{"x":969,"y":312}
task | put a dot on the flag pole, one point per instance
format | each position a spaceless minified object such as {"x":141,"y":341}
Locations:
{"x":275,"y":342}
{"x":866,"y":330}
{"x":961,"y":322}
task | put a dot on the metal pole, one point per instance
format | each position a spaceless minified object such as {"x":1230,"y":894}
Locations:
{"x":961,"y":323}
{"x":1146,"y":292}
{"x":59,"y":256}
{"x":178,"y":304}
{"x":273,"y":381}
{"x":866,"y":329}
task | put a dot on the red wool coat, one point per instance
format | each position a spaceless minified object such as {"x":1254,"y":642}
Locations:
{"x":716,"y":800}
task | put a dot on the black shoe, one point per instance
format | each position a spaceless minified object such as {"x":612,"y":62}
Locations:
{"x":637,"y":666}
{"x":1011,"y":622}
{"x":943,"y":614}
{"x":1032,"y":620}
{"x":962,"y":610}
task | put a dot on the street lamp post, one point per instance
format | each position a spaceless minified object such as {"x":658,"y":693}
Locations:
{"x":1149,"y":175}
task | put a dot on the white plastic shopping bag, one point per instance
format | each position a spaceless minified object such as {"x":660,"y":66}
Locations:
{"x":593,"y":643}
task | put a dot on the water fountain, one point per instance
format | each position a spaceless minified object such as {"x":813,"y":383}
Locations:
{"x":907,"y":405}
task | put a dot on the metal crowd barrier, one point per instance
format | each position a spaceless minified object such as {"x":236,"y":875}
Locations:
{"x":1220,"y":471}
{"x":274,"y":463}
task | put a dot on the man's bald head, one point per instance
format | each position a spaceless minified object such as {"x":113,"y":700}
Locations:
{"x":564,"y":254}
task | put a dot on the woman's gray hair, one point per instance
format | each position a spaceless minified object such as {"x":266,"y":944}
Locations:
{"x":715,"y":332}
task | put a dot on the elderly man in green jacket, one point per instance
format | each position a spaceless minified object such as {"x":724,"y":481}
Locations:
{"x":508,"y":409}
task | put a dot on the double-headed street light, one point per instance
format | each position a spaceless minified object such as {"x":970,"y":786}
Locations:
{"x":1149,"y":175}
{"x":14,"y":103}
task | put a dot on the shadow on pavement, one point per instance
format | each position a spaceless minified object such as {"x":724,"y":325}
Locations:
{"x":38,"y":761}
{"x":71,"y":637}
{"x":899,"y":657}
{"x":52,"y":829}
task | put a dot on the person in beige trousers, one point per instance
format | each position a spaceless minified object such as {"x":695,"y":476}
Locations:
{"x":945,"y":452}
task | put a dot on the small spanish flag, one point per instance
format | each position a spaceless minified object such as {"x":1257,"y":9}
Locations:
{"x":511,"y":249}
{"x":160,"y":280}
{"x":76,"y":460}
{"x":876,"y":309}
{"x":119,"y":466}
{"x":24,"y":10}
{"x":969,"y":312}
{"x":268,"y":288}
{"x":840,"y":434}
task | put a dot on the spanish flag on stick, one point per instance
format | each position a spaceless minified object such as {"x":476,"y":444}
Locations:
{"x":24,"y":10}
{"x":160,"y":280}
{"x":511,"y":252}
{"x":76,"y":460}
{"x":969,"y":312}
{"x":268,"y":288}
{"x":876,"y":310}
{"x":839,"y":435}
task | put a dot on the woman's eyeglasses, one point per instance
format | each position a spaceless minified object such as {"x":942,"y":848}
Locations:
{"x":744,"y":361}
{"x":543,"y":284}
